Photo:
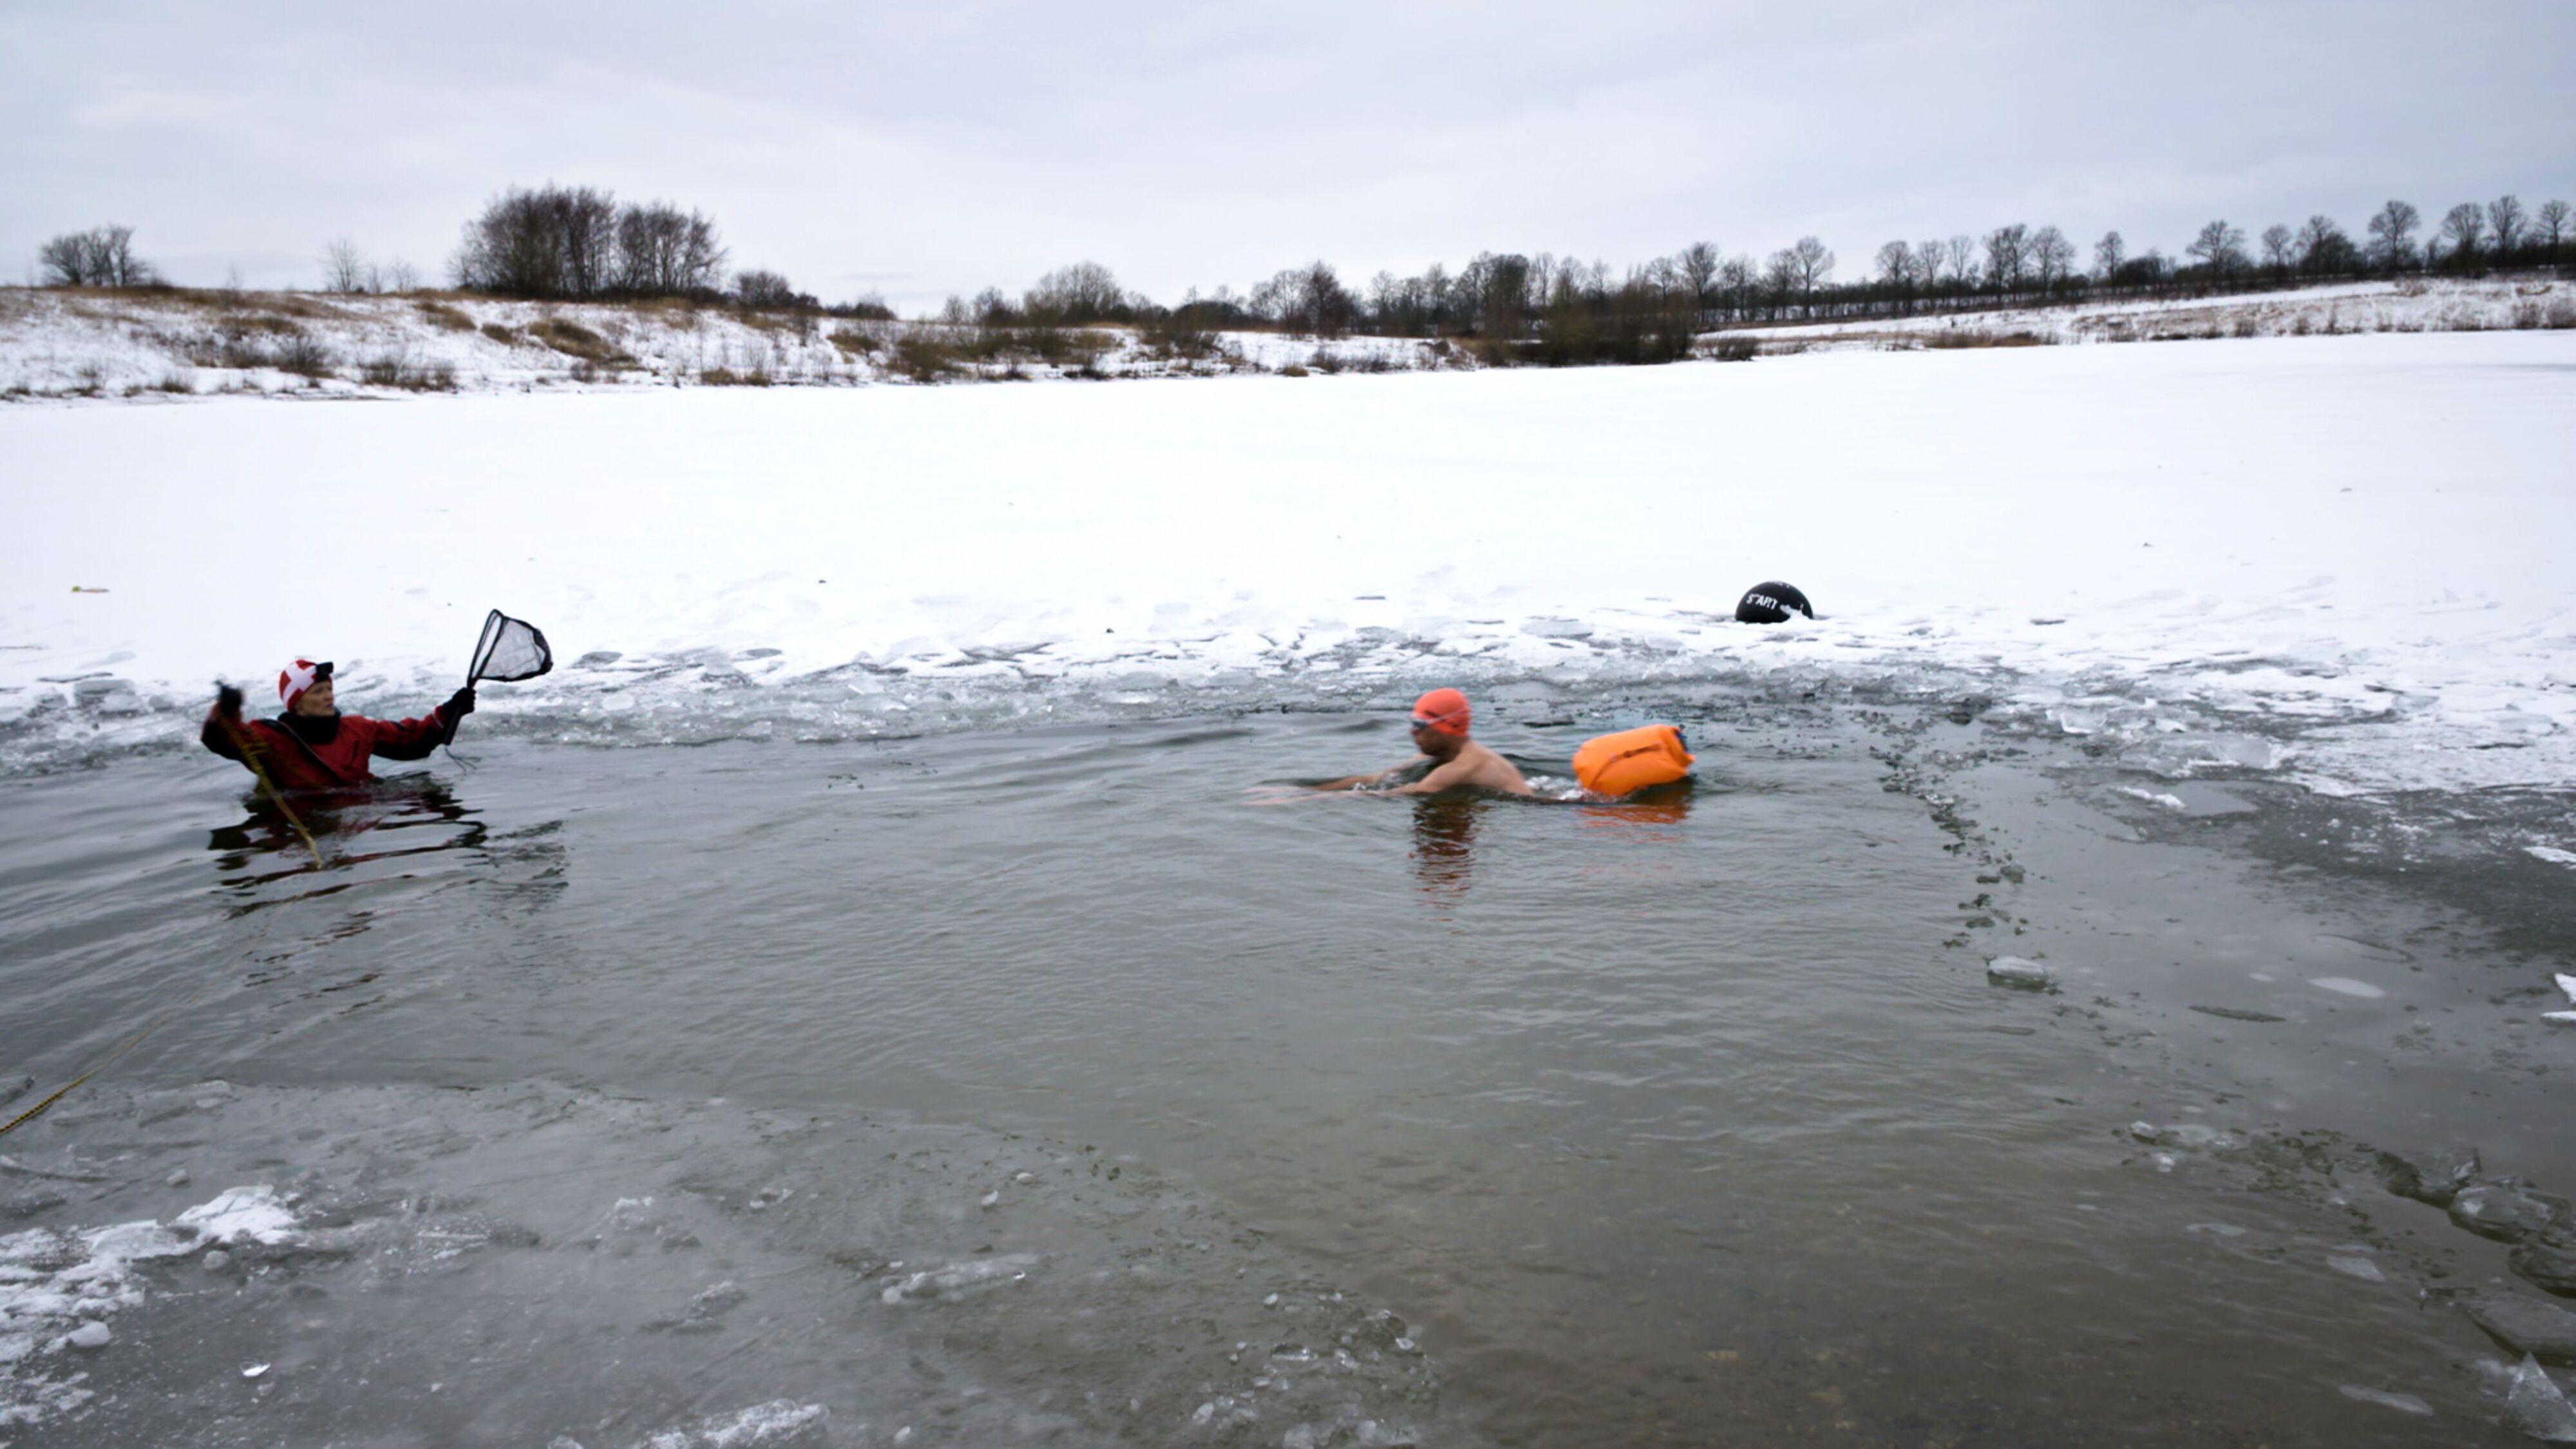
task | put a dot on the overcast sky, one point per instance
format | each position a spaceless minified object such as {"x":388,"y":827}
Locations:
{"x":916,"y":149}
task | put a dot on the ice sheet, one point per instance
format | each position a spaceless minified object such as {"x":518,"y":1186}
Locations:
{"x":2331,"y":558}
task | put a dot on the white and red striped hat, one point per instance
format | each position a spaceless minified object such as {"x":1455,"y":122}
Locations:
{"x":298,"y":677}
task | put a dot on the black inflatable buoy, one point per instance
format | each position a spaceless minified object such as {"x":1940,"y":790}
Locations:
{"x":1771,"y":603}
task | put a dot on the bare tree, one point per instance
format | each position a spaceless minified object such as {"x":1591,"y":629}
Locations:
{"x":2108,"y":254}
{"x":2323,"y":249}
{"x":558,"y":241}
{"x":1082,"y":292}
{"x":100,"y":257}
{"x":2392,"y":232}
{"x":2220,"y":247}
{"x":663,"y":251}
{"x":2280,"y":248}
{"x":1962,"y":252}
{"x":400,"y":276}
{"x":1896,"y":264}
{"x":2007,"y":256}
{"x":2506,"y":218}
{"x":1737,"y":281}
{"x":2052,"y":257}
{"x":344,"y":267}
{"x":771,"y":291}
{"x":1780,"y":279}
{"x":2465,"y":228}
{"x":1699,"y":264}
{"x":2550,"y":225}
{"x":1328,"y":306}
{"x":1927,"y":263}
{"x":1812,"y":265}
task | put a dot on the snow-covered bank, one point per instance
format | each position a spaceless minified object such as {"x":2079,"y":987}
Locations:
{"x":2338,"y":557}
{"x":2524,"y":303}
{"x":158,"y":346}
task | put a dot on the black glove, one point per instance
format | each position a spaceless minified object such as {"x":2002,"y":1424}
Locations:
{"x":228,"y":701}
{"x":459,"y":705}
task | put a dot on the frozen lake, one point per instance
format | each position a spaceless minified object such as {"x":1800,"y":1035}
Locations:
{"x":871,"y":994}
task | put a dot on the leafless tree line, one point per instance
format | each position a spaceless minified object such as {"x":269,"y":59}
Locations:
{"x":100,"y":257}
{"x":577,"y":243}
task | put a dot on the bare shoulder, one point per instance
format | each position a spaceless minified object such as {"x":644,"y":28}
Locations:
{"x":1496,"y":773}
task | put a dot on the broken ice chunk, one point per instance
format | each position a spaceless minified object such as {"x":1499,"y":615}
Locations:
{"x":2537,"y":1407}
{"x":957,"y":1280}
{"x":2020,"y":974}
{"x":2540,"y":1330}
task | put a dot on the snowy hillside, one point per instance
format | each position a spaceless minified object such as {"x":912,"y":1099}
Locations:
{"x":61,"y":343}
{"x":145,"y":345}
{"x":2407,"y":304}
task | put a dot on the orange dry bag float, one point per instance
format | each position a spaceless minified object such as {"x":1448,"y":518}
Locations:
{"x":1632,"y":760}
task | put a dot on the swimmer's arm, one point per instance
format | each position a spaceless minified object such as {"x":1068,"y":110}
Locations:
{"x":1355,"y":782}
{"x":1450,"y":776}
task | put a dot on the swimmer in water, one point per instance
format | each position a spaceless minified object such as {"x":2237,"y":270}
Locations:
{"x":1440,"y":721}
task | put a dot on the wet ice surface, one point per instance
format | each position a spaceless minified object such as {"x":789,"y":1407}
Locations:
{"x":542,"y":1263}
{"x":1642,"y":1125}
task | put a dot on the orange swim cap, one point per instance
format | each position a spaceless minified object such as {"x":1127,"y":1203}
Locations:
{"x":1444,"y":710}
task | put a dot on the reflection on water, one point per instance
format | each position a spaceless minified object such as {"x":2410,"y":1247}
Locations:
{"x":1653,"y":806}
{"x":345,"y":820}
{"x":1444,"y":847}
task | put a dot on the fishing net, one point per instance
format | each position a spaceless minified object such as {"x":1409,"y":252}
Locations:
{"x":510,"y":649}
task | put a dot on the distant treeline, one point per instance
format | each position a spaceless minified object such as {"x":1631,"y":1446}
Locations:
{"x":577,"y":243}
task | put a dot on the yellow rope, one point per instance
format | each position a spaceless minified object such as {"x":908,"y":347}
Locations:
{"x":131,"y":1042}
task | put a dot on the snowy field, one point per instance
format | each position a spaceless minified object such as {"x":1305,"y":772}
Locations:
{"x":2340,"y":559}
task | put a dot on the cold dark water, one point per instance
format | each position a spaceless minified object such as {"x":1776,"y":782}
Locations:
{"x":628,"y":1090}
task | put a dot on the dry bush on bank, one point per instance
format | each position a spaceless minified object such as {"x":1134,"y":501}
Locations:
{"x":727,"y":377}
{"x":444,"y":317}
{"x":1734,"y":347}
{"x":854,"y":343}
{"x":303,"y":355}
{"x":1950,"y":338}
{"x":400,"y":370}
{"x":502,"y":333}
{"x":574,"y":340}
{"x":925,"y":358}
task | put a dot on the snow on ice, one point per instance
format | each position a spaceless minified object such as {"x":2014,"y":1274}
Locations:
{"x":2332,"y":558}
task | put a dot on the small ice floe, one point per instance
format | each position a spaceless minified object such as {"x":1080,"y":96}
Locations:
{"x":990,"y":1200}
{"x":2216,"y":1230}
{"x":2552,"y":854}
{"x":2346,"y":986}
{"x":2403,"y":1403}
{"x":253,"y":1371}
{"x":2546,"y":1264}
{"x":2543,"y":1331}
{"x":960,"y":1280}
{"x":2169,"y":802}
{"x":2567,"y":984}
{"x":2507,"y":1210}
{"x":2020,"y":974}
{"x":92,"y":1334}
{"x":778,"y":1423}
{"x":2353,"y":1265}
{"x":2434,"y":1177}
{"x":241,"y":1214}
{"x":2536,"y":1405}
